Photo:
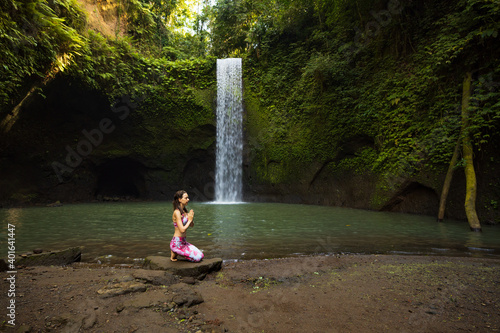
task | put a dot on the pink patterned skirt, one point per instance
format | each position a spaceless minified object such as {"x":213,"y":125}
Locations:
{"x":180,"y":246}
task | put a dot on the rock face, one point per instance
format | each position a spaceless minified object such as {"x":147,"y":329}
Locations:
{"x":56,"y":258}
{"x":74,"y":145}
{"x":182,"y":267}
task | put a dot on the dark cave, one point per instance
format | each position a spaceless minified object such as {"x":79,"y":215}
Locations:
{"x":414,"y":198}
{"x":123,"y":177}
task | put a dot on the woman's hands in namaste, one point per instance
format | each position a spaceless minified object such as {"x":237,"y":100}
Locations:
{"x":191,"y":216}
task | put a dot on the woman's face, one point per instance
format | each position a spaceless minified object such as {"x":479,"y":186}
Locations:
{"x":184,"y":200}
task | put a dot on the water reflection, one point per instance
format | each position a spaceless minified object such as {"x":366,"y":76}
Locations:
{"x":14,"y":217}
{"x":124,"y":231}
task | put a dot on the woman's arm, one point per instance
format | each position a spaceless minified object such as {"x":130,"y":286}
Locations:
{"x":178,"y":221}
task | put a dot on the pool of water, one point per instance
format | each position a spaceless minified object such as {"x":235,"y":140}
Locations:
{"x":127,"y":232}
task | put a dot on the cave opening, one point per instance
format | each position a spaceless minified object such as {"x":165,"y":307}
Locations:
{"x":122,"y":177}
{"x":413,"y":198}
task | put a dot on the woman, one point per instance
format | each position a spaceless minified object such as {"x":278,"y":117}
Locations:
{"x":182,"y":221}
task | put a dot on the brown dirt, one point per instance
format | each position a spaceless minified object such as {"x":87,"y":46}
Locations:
{"x":349,"y":293}
{"x":102,"y":16}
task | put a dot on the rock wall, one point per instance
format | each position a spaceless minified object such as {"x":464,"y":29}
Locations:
{"x":323,"y":183}
{"x":74,"y":145}
{"x":416,"y":195}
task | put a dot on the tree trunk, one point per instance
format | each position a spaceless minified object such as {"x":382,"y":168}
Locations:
{"x":470,"y":175}
{"x":447,"y":181}
{"x":13,"y":116}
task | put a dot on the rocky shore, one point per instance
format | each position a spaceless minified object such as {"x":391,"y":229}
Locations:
{"x":348,"y":293}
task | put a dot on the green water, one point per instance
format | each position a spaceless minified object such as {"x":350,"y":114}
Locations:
{"x":128,"y":232}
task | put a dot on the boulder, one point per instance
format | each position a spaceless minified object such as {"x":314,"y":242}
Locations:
{"x":197,"y":270}
{"x":184,"y":295}
{"x":55,"y":258}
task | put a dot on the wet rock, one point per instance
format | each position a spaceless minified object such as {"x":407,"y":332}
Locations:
{"x":121,"y":289}
{"x":184,"y":268}
{"x":37,"y":251}
{"x":56,"y":258}
{"x":184,"y":295}
{"x":157,"y":278}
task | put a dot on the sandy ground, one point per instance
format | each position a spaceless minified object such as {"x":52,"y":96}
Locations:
{"x":348,"y":293}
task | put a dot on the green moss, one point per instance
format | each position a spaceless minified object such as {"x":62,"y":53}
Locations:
{"x":204,"y":98}
{"x":262,"y":283}
{"x":361,"y":163}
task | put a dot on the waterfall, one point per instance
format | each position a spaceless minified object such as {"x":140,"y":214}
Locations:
{"x":229,"y":147}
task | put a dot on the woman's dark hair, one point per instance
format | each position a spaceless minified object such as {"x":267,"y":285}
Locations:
{"x":177,"y":205}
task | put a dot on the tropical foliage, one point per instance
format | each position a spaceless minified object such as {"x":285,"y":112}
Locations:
{"x":389,"y":70}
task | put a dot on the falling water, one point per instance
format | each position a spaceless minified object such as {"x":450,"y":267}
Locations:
{"x":229,"y":149}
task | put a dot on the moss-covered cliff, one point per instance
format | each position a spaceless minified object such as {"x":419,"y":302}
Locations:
{"x":358,"y":104}
{"x":118,"y":120}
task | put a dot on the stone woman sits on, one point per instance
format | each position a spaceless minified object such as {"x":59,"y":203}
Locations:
{"x":182,"y":221}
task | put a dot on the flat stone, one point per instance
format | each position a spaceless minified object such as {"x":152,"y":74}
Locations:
{"x":121,"y":289}
{"x":183,"y":267}
{"x":146,"y":300}
{"x":124,"y":278}
{"x":55,"y":258}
